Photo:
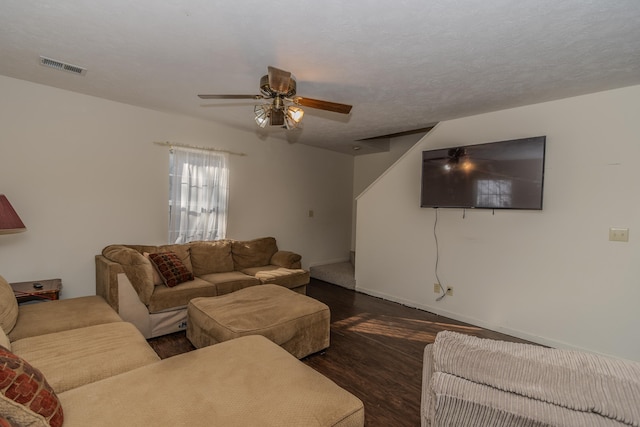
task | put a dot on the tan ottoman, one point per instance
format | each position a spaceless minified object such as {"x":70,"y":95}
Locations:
{"x":297,"y":323}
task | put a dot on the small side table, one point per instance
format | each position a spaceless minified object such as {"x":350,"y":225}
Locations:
{"x":25,"y":291}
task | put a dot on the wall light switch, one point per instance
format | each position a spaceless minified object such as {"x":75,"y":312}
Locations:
{"x":310,"y":213}
{"x":617,"y":234}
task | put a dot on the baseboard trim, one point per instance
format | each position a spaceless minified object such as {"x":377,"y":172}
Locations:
{"x":477,"y":322}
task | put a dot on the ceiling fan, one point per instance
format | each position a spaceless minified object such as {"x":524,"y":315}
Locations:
{"x":284,"y":111}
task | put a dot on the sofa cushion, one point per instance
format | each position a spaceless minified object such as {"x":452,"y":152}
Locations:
{"x":26,"y":399}
{"x":80,"y":356}
{"x":230,"y":281}
{"x":182,"y":251}
{"x":4,"y":340}
{"x":249,"y":381}
{"x":286,"y":259}
{"x":170,"y":268}
{"x":209,"y":285}
{"x":157,"y":279}
{"x":289,"y":278}
{"x":142,"y":248}
{"x":463,"y":403}
{"x":8,"y":306}
{"x":211,"y":257}
{"x":165,"y":298}
{"x":62,"y":315}
{"x":253,"y":253}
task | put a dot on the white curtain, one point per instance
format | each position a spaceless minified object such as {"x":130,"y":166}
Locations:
{"x":198,"y":195}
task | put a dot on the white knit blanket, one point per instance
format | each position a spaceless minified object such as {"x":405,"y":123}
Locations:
{"x":480,"y":382}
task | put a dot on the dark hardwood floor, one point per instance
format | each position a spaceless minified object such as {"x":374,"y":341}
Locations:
{"x":375,"y":353}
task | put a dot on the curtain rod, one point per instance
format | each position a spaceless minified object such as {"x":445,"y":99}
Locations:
{"x":177,"y":144}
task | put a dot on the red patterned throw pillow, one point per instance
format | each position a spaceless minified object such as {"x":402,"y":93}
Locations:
{"x":25,"y":396}
{"x":171,"y":269}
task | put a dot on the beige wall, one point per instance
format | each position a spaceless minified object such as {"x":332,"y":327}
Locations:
{"x":366,"y":169}
{"x":550,"y":276}
{"x":82,"y":173}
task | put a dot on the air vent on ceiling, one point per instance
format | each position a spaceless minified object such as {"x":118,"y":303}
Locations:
{"x":63,"y":66}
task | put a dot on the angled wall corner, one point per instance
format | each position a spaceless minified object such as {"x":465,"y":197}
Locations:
{"x":521,"y":272}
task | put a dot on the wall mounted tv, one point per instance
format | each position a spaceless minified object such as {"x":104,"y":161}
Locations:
{"x":496,"y":175}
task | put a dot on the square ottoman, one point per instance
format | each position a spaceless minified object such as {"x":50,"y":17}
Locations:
{"x":297,"y":323}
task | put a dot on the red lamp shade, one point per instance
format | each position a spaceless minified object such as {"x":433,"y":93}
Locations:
{"x":10,"y":222}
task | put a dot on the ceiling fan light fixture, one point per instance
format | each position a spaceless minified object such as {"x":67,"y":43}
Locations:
{"x":293,"y":117}
{"x":277,"y":117}
{"x":262,"y":114}
{"x":270,"y":115}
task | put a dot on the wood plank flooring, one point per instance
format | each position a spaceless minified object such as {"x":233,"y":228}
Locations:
{"x":375,"y":353}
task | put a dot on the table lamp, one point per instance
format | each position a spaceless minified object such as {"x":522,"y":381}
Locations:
{"x":10,"y":222}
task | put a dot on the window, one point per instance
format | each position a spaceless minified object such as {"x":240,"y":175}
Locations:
{"x":494,"y":193}
{"x":198,"y":195}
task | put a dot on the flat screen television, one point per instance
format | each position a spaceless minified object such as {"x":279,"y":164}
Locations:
{"x":495,"y":175}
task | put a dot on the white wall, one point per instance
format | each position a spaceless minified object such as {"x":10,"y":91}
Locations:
{"x":367,"y":168}
{"x":82,"y":173}
{"x":550,"y":276}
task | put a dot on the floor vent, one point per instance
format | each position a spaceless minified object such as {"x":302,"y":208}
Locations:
{"x":63,"y":66}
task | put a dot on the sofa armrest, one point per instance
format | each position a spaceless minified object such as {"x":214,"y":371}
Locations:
{"x":107,"y":280}
{"x":426,"y":404}
{"x":137,"y":268}
{"x":132,"y":310}
{"x":286,"y":259}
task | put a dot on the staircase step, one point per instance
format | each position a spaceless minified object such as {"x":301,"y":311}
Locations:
{"x":341,"y":274}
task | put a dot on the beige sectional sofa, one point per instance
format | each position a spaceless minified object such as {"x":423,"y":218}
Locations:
{"x":469,"y":381}
{"x":74,"y":362}
{"x":125,"y":278}
{"x":83,"y":330}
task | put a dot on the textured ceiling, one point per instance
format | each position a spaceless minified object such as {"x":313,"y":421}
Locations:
{"x":402,"y":65}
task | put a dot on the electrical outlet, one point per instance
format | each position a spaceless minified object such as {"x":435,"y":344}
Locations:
{"x":438,"y":289}
{"x":617,"y":234}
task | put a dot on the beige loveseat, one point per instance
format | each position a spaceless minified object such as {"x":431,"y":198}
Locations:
{"x":75,"y":363}
{"x":125,"y":278}
{"x":471,"y":382}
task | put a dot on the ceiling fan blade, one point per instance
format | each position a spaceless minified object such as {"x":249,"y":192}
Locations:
{"x":323,"y":105}
{"x":230,"y":96}
{"x":279,"y":79}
